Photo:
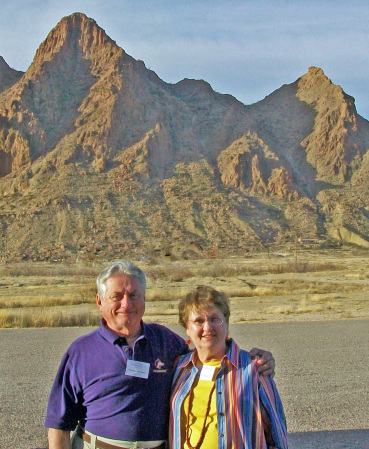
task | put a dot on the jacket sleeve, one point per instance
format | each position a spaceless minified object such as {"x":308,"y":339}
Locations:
{"x":274,"y":421}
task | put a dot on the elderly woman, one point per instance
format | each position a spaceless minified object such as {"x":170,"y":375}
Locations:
{"x":218,"y":398}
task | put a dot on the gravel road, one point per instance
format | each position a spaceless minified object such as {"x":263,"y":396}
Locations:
{"x":322,"y":376}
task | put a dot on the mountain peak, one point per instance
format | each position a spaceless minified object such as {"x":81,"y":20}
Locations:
{"x":8,"y":76}
{"x":3,"y":64}
{"x":74,"y":31}
{"x":315,"y":71}
{"x":73,"y":58}
{"x":77,"y":16}
{"x":315,"y":87}
{"x":314,"y":78}
{"x":330,"y":153}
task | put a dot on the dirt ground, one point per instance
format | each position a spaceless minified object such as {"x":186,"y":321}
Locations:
{"x":321,"y":374}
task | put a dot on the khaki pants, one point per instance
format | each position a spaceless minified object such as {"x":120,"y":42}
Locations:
{"x":77,"y":442}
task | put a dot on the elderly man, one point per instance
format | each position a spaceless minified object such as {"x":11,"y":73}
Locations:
{"x":115,"y":382}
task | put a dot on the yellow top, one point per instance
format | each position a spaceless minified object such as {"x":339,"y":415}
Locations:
{"x":199,"y":401}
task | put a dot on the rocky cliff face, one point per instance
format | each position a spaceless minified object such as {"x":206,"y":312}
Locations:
{"x":328,"y":147}
{"x":8,"y":76}
{"x":98,"y":155}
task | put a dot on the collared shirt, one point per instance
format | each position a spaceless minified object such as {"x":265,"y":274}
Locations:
{"x":92,"y":387}
{"x":249,"y":410}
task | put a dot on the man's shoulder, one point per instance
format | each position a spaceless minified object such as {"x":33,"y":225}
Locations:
{"x":165,"y":337}
{"x":162,"y":331}
{"x":184,"y":358}
{"x":85,"y":340}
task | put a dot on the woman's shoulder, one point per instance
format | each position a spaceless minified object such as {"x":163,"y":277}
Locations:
{"x":242,"y":358}
{"x":245,"y":357}
{"x":236,"y":354}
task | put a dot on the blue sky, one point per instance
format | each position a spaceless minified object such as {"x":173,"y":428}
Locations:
{"x":244,"y":48}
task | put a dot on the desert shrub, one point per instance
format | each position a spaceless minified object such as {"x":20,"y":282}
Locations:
{"x":247,"y":292}
{"x":156,"y":273}
{"x":290,"y":267}
{"x":87,"y":293}
{"x":173,"y":273}
{"x":48,"y":270}
{"x":222,"y":270}
{"x":181,"y":274}
{"x":302,"y":307}
{"x":84,"y":295}
{"x":160,"y":294}
{"x":10,"y":304}
{"x":48,"y":318}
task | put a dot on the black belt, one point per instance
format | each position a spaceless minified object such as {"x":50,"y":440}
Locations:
{"x":103,"y":445}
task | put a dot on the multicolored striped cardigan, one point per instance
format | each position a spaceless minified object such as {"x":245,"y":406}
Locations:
{"x":249,"y":409}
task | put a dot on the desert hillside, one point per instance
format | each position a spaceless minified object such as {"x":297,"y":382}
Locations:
{"x":99,"y":157}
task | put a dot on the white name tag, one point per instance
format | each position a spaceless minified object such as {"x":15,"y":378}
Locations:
{"x":207,"y":373}
{"x":137,"y":369}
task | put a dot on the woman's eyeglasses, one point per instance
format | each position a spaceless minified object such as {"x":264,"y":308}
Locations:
{"x":213,"y":320}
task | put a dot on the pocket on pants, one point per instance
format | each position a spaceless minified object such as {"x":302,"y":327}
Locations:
{"x":76,"y":441}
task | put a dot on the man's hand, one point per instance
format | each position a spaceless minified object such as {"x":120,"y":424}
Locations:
{"x":58,"y":439}
{"x":264,"y":361}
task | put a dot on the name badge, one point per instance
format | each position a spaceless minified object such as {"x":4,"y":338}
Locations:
{"x":207,"y":373}
{"x":137,"y":369}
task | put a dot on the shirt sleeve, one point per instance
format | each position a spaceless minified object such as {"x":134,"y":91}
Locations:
{"x":64,"y":408}
{"x":274,"y":421}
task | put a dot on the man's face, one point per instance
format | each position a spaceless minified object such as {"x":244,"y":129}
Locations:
{"x":123,"y":305}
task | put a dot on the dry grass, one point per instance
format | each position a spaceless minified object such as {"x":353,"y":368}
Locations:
{"x":320,"y":285}
{"x":165,"y":294}
{"x":47,"y":318}
{"x":245,"y":292}
{"x":177,"y":272}
{"x":174,"y":273}
{"x":47,"y":270}
{"x":85,"y":294}
{"x":222,"y":270}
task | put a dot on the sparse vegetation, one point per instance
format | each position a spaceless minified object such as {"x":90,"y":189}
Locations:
{"x":320,"y":285}
{"x":174,"y":273}
{"x":217,"y":269}
{"x":46,"y":270}
{"x":48,"y":318}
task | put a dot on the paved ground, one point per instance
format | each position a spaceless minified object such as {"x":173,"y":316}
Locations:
{"x":322,"y":376}
{"x":336,"y":439}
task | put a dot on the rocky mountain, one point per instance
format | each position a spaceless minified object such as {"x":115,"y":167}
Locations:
{"x":99,"y":156}
{"x":8,"y":76}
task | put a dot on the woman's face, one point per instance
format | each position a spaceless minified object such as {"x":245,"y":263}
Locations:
{"x":208,"y":330}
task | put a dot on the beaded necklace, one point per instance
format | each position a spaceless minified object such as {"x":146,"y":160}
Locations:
{"x":188,"y":436}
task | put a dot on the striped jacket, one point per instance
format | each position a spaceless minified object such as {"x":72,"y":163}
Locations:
{"x":249,"y":410}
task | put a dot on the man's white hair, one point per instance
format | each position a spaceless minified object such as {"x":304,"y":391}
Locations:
{"x":120,"y":266}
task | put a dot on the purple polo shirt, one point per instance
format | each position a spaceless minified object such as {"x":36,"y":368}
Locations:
{"x":91,"y":386}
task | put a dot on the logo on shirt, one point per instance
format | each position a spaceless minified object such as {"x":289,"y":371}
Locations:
{"x":159,"y":366}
